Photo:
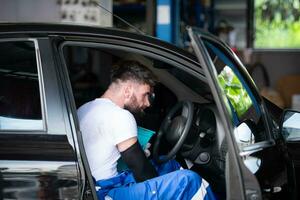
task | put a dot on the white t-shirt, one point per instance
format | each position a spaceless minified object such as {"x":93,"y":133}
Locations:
{"x":104,"y":125}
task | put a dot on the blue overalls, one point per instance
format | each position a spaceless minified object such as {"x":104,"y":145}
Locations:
{"x":171,"y":183}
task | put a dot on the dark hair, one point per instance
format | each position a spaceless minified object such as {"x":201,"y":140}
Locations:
{"x":132,"y":70}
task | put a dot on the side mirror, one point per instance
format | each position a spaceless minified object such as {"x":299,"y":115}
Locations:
{"x":244,"y":135}
{"x":290,"y":125}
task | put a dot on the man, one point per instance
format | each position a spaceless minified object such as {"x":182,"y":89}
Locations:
{"x":110,"y":131}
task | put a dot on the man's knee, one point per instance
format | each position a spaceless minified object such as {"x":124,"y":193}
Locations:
{"x":188,"y":183}
{"x":189,"y":177}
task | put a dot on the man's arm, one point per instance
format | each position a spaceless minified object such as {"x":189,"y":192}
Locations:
{"x":126,"y":144}
{"x":133,"y":155}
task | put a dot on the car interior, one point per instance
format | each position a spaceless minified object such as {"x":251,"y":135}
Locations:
{"x":177,"y":91}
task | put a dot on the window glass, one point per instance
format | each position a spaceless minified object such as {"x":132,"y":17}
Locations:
{"x":89,"y":71}
{"x":235,"y":91}
{"x":246,"y":114}
{"x":20,"y":106}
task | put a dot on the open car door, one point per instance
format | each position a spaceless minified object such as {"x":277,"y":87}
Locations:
{"x":256,"y":167}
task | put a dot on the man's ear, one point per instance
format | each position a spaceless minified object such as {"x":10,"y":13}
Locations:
{"x":128,"y":90}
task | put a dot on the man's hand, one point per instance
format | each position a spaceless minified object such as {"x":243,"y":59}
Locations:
{"x":146,"y":150}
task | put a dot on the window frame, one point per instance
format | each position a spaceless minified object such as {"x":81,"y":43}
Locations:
{"x":41,"y":89}
{"x":269,"y":140}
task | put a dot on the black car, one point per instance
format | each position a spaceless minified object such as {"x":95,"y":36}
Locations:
{"x":233,"y":137}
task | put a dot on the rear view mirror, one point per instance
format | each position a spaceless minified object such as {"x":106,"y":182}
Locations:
{"x":290,"y":125}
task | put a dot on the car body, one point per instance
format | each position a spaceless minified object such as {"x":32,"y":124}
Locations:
{"x":48,"y":70}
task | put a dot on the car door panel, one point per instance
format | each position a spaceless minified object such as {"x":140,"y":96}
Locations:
{"x":37,"y":166}
{"x":234,"y":179}
{"x":36,"y":162}
{"x":265,"y":150}
{"x":289,"y":131}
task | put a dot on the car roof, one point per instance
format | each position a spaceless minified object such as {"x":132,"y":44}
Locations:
{"x":46,"y":29}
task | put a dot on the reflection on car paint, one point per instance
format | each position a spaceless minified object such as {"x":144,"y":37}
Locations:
{"x":38,"y":180}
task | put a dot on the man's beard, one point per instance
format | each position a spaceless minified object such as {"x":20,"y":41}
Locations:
{"x":133,"y":107}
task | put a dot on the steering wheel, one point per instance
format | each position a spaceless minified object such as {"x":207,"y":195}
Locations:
{"x":175,"y":127}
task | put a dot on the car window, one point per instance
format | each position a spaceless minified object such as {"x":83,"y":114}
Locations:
{"x":20,"y":104}
{"x":246,"y":114}
{"x":89,"y":69}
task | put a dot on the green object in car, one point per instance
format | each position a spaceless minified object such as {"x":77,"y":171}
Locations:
{"x":234,"y":91}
